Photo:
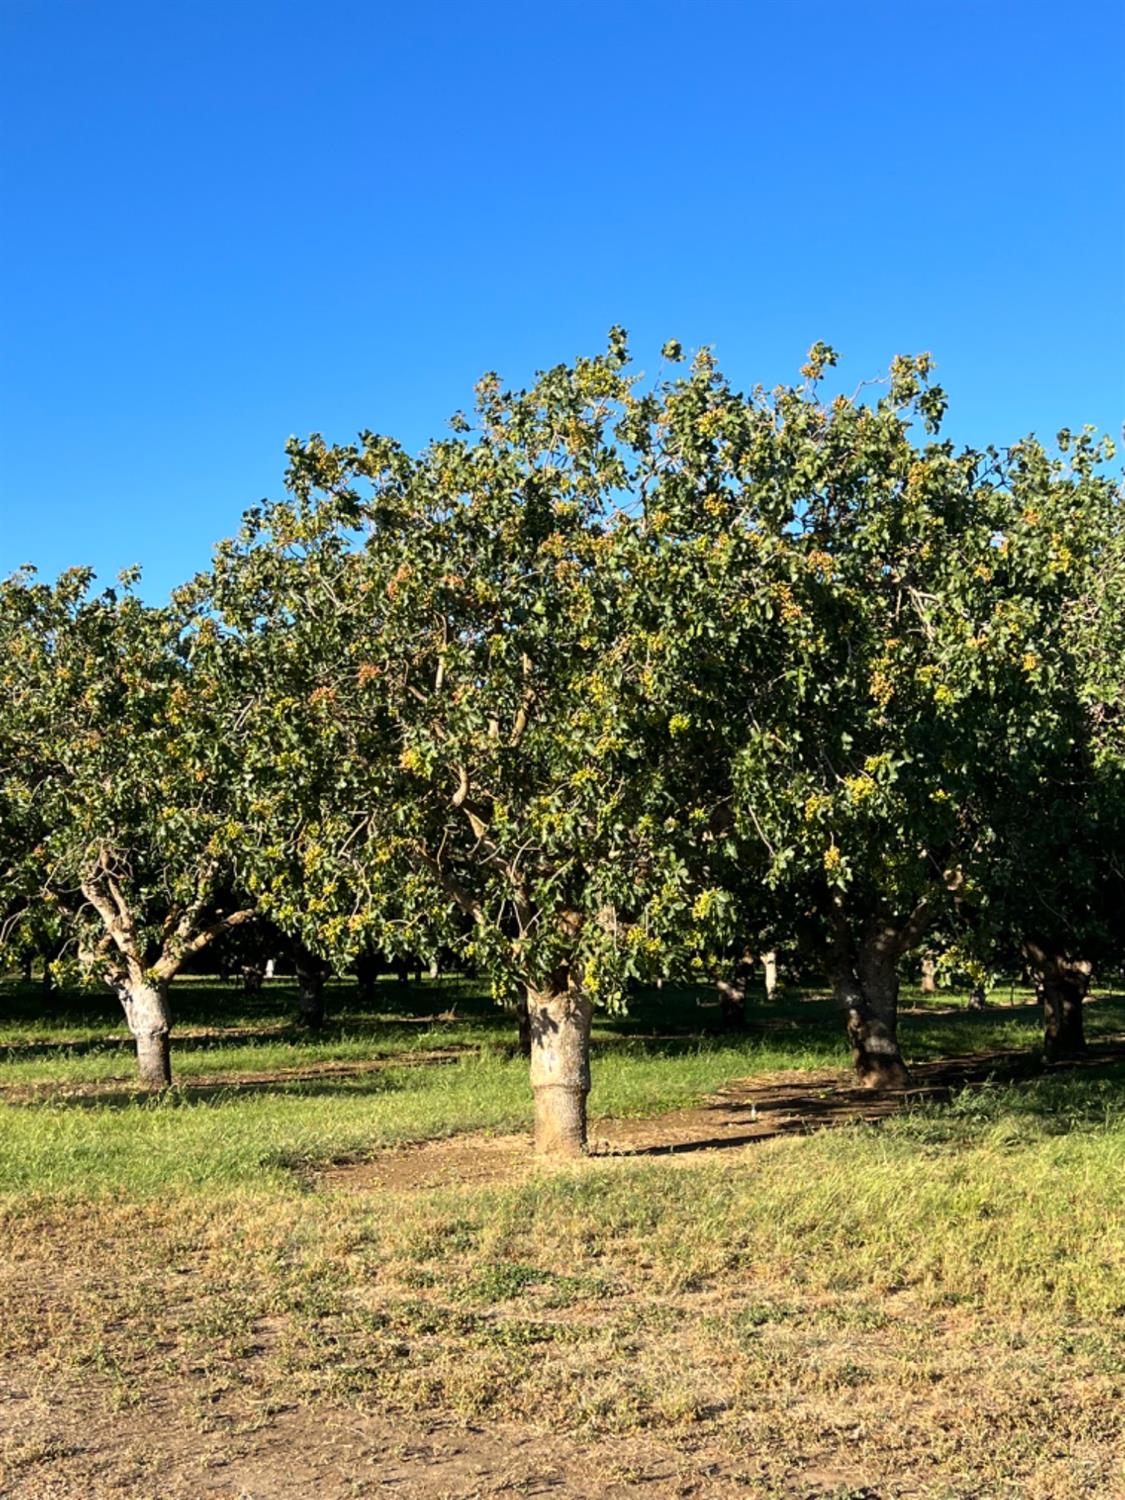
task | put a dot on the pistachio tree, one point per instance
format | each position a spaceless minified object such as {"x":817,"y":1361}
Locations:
{"x":120,"y":757}
{"x":487,"y":676}
{"x":921,"y":587}
{"x":1060,"y":821}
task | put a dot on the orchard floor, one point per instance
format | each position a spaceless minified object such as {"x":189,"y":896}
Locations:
{"x":327,"y":1267}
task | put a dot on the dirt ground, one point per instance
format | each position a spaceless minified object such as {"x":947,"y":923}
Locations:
{"x":65,"y":1438}
{"x":48,"y":1451}
{"x":737,"y":1117}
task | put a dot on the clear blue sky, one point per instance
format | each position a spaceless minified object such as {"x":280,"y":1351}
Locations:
{"x":225,"y":223}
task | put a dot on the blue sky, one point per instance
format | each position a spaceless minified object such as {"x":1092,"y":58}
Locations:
{"x":226,"y":223}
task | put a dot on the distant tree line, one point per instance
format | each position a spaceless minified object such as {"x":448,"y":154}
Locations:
{"x":624,"y":680}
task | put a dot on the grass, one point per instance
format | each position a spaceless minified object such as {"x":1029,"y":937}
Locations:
{"x":934,"y":1305}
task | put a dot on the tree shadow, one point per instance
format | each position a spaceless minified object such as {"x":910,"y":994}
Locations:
{"x":218,"y":1093}
{"x":751,"y":1114}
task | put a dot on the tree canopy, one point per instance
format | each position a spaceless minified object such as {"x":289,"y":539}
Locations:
{"x":619,"y":674}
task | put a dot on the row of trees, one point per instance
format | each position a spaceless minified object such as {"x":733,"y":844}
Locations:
{"x":618,"y":680}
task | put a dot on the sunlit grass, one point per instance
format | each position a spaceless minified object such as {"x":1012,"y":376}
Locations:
{"x":958,"y":1271}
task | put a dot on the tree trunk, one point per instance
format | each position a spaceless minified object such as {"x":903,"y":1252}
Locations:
{"x":523,"y":1024}
{"x":1061,"y":983}
{"x":878,"y":1060}
{"x":732,"y":1000}
{"x":769,"y":968}
{"x":559,"y":1022}
{"x":1064,"y":989}
{"x":929,"y":984}
{"x":310,"y":998}
{"x":253,"y":976}
{"x":868,"y":995}
{"x":150,"y":1020}
{"x":366,"y":976}
{"x":732,"y":995}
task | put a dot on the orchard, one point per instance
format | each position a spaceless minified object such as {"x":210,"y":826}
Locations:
{"x":622,"y":680}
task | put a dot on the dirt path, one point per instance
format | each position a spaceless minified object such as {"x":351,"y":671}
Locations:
{"x":76,"y":1434}
{"x":208,"y":1083}
{"x":740,"y":1115}
{"x":49,"y":1451}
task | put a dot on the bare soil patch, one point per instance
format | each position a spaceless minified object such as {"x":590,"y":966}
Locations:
{"x":56,"y":1447}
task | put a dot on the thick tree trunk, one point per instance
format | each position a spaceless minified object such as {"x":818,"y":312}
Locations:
{"x":310,"y":997}
{"x":1064,"y":990}
{"x":366,"y":975}
{"x":878,"y":1060}
{"x":929,"y":984}
{"x":559,"y":1022}
{"x":868,"y":995}
{"x":1061,"y":983}
{"x":769,"y":969}
{"x":150,"y":1020}
{"x":732,"y":1000}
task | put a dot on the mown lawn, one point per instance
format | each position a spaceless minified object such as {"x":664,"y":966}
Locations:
{"x":934,"y":1305}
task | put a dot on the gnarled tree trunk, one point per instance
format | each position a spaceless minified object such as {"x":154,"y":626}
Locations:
{"x":864,"y":977}
{"x":864,"y":974}
{"x":559,"y":1024}
{"x":150,"y":1020}
{"x":1062,"y":984}
{"x":878,"y":1060}
{"x":871,"y":1023}
{"x":929,"y":984}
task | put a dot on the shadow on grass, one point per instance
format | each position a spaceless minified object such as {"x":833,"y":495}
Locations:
{"x":215,"y":1092}
{"x":1067,"y":1094}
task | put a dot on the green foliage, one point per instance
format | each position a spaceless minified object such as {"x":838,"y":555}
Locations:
{"x":118,"y":763}
{"x":487,"y":677}
{"x":611,"y":675}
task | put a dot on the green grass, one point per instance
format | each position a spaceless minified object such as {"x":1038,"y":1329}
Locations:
{"x":951,"y":1280}
{"x":80,"y":1036}
{"x":238,"y":1136}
